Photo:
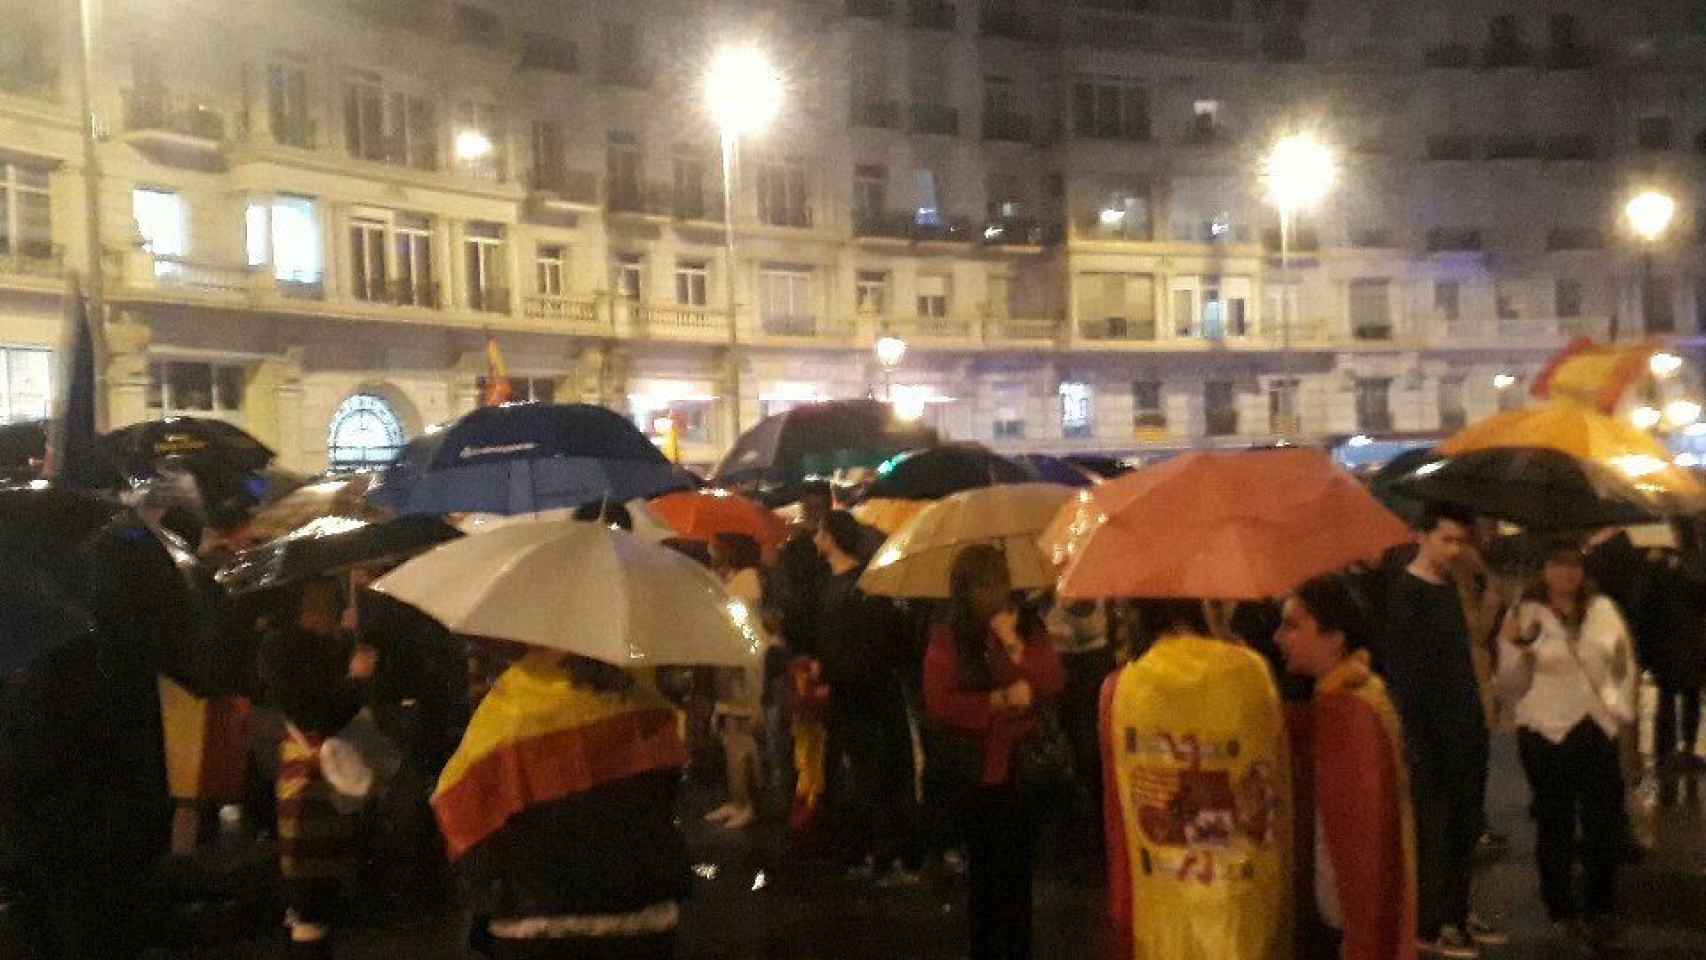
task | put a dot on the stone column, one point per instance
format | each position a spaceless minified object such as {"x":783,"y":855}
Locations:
{"x":465,"y":377}
{"x":727,"y":366}
{"x":126,"y":370}
{"x":586,"y":384}
{"x":618,"y":366}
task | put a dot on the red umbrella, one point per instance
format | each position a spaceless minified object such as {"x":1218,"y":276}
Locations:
{"x":1224,"y":526}
{"x":702,"y":514}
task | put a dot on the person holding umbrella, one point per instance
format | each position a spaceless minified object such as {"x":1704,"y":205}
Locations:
{"x":735,"y":558}
{"x":1568,"y":664}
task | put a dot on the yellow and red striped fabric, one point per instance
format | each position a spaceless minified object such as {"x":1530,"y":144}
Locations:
{"x":207,"y":744}
{"x":538,"y":738}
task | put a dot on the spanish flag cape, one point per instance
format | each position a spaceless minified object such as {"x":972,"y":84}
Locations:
{"x":538,"y":738}
{"x":1197,"y":788}
{"x":1348,"y":747}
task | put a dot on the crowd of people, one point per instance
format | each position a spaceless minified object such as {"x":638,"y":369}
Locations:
{"x":887,"y":734}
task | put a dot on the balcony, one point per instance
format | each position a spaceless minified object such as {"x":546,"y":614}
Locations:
{"x":1012,"y":232}
{"x":701,"y":206}
{"x":1022,"y":329}
{"x":1002,"y":125}
{"x":575,"y":316}
{"x":1448,"y":56}
{"x":871,"y":9}
{"x":933,"y":15}
{"x":1118,"y":330}
{"x":935,"y":119}
{"x":1000,"y":19}
{"x":1451,"y":148}
{"x":558,"y":185}
{"x":799,"y":218}
{"x":1373,"y":238}
{"x":883,"y":114}
{"x":927,"y":328}
{"x":488,"y":299}
{"x":172,"y":119}
{"x":30,"y":75}
{"x":676,"y":322}
{"x":299,"y":133}
{"x":1302,"y":240}
{"x":194,"y":276}
{"x":1453,"y":240}
{"x":1571,"y":57}
{"x":1372,"y":330}
{"x":1571,"y":147}
{"x":640,"y":200}
{"x":631,"y":75}
{"x":405,"y":293}
{"x":1516,"y":146}
{"x":1503,"y":56}
{"x":778,"y":325}
{"x":905,"y":226}
{"x":32,"y":258}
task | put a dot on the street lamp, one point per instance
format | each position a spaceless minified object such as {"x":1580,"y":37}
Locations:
{"x":472,"y":145}
{"x":1650,"y":213}
{"x":744,"y":93}
{"x":1299,"y":171}
{"x":890,"y":352}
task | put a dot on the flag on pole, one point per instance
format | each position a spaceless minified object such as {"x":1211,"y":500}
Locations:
{"x":497,"y":389}
{"x":73,"y":459}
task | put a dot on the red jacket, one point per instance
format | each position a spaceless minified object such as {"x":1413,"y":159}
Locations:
{"x":969,"y":711}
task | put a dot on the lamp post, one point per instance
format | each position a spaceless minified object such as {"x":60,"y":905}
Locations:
{"x":890,"y":352}
{"x":1299,"y":171}
{"x":1650,"y":213}
{"x":744,"y":93}
{"x":95,"y":270}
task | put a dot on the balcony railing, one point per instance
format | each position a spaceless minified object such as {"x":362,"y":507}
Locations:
{"x":927,"y":328}
{"x":647,"y":199}
{"x":579,"y":315}
{"x":902,"y":225}
{"x":884,"y":114}
{"x":488,"y":299}
{"x":1300,"y":240}
{"x":32,"y":259}
{"x":159,"y":111}
{"x":1453,"y":240}
{"x":1518,"y":146}
{"x":301,"y":288}
{"x":631,"y":75}
{"x":786,"y":325}
{"x":935,"y":118}
{"x":1499,"y":56}
{"x":1023,"y":328}
{"x":562,"y":183}
{"x":1373,"y":237}
{"x":1570,"y":147}
{"x":1454,"y":147}
{"x":301,"y":134}
{"x":1449,"y":56}
{"x":1014,"y":127}
{"x":785,"y":216}
{"x":1012,"y":232}
{"x":406,"y":294}
{"x":200,"y":275}
{"x":933,"y":15}
{"x":1117,"y":329}
{"x":1372,"y":330}
{"x":874,"y":9}
{"x":1571,"y":57}
{"x":680,"y":320}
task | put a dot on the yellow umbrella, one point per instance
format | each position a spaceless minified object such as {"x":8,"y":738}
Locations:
{"x":1584,"y":434}
{"x":888,"y":514}
{"x":919,"y":556}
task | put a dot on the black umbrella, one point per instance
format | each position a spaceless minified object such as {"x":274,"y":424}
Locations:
{"x":137,"y":451}
{"x":1051,"y":469}
{"x":329,"y":545}
{"x":1105,"y":467}
{"x":1539,"y":489}
{"x":815,"y":440}
{"x":41,"y":530}
{"x":22,"y":449}
{"x":1383,"y":483}
{"x":944,"y":471}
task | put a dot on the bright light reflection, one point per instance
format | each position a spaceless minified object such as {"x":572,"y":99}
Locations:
{"x":1650,"y":213}
{"x":744,"y":91}
{"x":1687,"y":460}
{"x":1645,"y":417}
{"x":1299,"y":171}
{"x":1503,"y":381}
{"x":1664,"y":364}
{"x":1638,"y":464}
{"x":1681,"y":413}
{"x":472,"y":145}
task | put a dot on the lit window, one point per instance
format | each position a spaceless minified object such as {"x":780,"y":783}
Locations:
{"x":285,"y":231}
{"x":365,"y":432}
{"x":1077,"y":408}
{"x":548,"y":263}
{"x":870,"y":291}
{"x":26,"y":385}
{"x":178,"y":387}
{"x":160,"y":219}
{"x":26,"y":220}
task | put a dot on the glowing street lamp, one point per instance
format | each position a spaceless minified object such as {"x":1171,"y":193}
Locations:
{"x":890,"y":352}
{"x":472,"y":145}
{"x":1299,"y":171}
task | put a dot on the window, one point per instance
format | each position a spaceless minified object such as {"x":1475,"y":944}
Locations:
{"x":26,"y":212}
{"x":1507,"y":300}
{"x":692,"y":417}
{"x":1123,"y":215}
{"x":195,"y":387}
{"x":622,"y":64}
{"x":690,"y":186}
{"x":483,"y":260}
{"x":541,"y":52}
{"x":1658,"y":305}
{"x":629,"y":281}
{"x":871,"y":292}
{"x":548,"y":168}
{"x":1371,"y":309}
{"x":413,"y":242}
{"x":1117,"y":306}
{"x":285,"y":231}
{"x":998,"y":96}
{"x":1010,"y":400}
{"x":160,"y":220}
{"x":29,"y":56}
{"x":1282,"y":407}
{"x":1567,"y":297}
{"x":367,"y":260}
{"x":287,"y":105}
{"x":784,"y":300}
{"x":1279,"y":311}
{"x":1562,"y":29}
{"x":1147,"y":411}
{"x":1211,"y":307}
{"x":389,"y":126}
{"x":479,"y":141}
{"x":1219,"y":408}
{"x":1654,"y":133}
{"x":622,"y":171}
{"x":1452,"y":413}
{"x":870,"y":193}
{"x":932,"y":296}
{"x":1447,"y":297}
{"x":1205,"y":122}
{"x":548,"y":262}
{"x":1077,"y":410}
{"x":690,"y":277}
{"x":26,"y":385}
{"x":474,"y":25}
{"x":928,"y":213}
{"x":1005,"y":198}
{"x":1374,"y":404}
{"x":1109,"y":110}
{"x":1511,"y":397}
{"x":525,"y":389}
{"x":782,"y":194}
{"x":365,"y":432}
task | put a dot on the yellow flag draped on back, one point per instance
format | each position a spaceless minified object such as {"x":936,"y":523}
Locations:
{"x":1199,"y":759}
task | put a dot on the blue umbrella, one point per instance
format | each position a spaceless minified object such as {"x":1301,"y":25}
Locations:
{"x":527,"y":458}
{"x":1051,"y":469}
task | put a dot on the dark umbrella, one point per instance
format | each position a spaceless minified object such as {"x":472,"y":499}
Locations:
{"x":815,"y":440}
{"x":1383,"y":483}
{"x":1105,"y":467}
{"x":22,"y":449}
{"x":40,"y":570}
{"x":944,"y":471}
{"x":329,"y":545}
{"x":1050,"y":469}
{"x":1540,"y":489}
{"x":196,"y":442}
{"x":527,"y":458}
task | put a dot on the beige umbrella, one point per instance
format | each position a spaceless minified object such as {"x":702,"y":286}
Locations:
{"x":333,"y":497}
{"x":917,"y":560}
{"x":581,"y":588}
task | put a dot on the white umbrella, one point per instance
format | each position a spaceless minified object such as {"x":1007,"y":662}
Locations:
{"x":919,"y":557}
{"x":584,"y":589}
{"x":647,"y":526}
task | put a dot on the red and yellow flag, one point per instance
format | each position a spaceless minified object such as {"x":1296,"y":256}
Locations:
{"x":497,"y":390}
{"x":1592,"y":375}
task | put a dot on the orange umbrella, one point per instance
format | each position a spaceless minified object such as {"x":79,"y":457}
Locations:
{"x":1225,"y":526}
{"x":702,"y":514}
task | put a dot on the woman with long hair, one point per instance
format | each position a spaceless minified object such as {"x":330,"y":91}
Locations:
{"x":1566,"y":661}
{"x":986,"y":673}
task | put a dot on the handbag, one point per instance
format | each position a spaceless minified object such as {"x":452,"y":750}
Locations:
{"x":1042,"y":762}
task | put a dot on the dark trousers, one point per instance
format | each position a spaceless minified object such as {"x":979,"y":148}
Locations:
{"x":657,"y":946}
{"x":1450,"y":791}
{"x":1577,"y":783}
{"x":874,"y":812}
{"x":1001,"y":853}
{"x":1676,"y":704}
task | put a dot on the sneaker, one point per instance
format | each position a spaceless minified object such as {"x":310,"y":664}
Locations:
{"x":721,"y":814}
{"x":1485,"y":932}
{"x":1451,"y":945}
{"x":742,"y":818}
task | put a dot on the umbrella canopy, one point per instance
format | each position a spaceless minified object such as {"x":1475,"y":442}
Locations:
{"x":1106,"y":468}
{"x":23,"y":446}
{"x":196,"y":442}
{"x":919,"y":557}
{"x":1227,"y":526}
{"x":41,"y":532}
{"x":1565,"y":427}
{"x":1545,"y":489}
{"x":816,"y":440}
{"x":943,"y":471}
{"x":527,"y":458}
{"x":1057,"y":470}
{"x":886,"y":514}
{"x":328,"y":497}
{"x":702,"y":514}
{"x":584,"y":589}
{"x":1383,"y":482}
{"x":329,"y":545}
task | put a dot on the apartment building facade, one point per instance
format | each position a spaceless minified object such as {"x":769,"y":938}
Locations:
{"x":314,"y":212}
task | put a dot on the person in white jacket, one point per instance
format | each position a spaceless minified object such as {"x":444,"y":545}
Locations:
{"x":1567,"y":666}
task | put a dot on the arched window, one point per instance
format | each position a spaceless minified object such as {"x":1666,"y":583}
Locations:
{"x":365,"y":432}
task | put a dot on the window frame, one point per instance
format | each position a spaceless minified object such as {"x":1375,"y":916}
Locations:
{"x":692,"y":279}
{"x":13,"y":243}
